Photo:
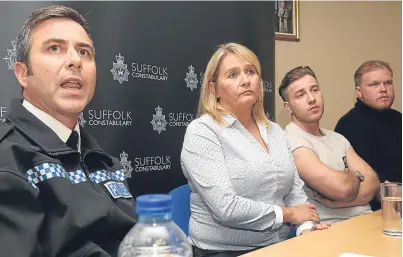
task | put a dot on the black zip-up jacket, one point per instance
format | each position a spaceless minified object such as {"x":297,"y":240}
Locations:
{"x":55,"y":201}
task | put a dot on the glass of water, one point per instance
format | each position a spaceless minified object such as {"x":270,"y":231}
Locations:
{"x":391,"y":194}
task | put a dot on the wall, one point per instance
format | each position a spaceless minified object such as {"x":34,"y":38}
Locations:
{"x":336,"y":37}
{"x":151,"y":57}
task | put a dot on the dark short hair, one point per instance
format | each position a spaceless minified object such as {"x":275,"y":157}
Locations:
{"x":292,"y":76}
{"x":38,"y":16}
{"x":370,"y":66}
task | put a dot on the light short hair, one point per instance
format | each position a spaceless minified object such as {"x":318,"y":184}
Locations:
{"x":292,"y":76}
{"x":208,"y":102}
{"x":368,"y":66}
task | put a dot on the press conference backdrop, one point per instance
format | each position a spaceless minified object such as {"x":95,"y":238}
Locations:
{"x":150,"y":59}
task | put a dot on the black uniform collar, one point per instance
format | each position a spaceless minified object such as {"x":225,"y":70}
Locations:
{"x":43,"y":136}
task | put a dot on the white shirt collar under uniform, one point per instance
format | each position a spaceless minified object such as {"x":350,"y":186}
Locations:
{"x":59,"y":128}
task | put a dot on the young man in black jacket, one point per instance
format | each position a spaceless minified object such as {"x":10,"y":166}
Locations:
{"x":373,"y":128}
{"x":61,"y":195}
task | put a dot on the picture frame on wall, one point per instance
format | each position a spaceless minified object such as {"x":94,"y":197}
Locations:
{"x":287,"y":20}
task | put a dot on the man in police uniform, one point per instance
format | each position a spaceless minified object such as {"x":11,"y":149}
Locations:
{"x":61,"y":194}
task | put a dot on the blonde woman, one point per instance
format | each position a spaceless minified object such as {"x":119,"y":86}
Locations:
{"x":245,"y":187}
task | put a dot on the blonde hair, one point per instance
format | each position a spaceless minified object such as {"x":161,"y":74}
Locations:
{"x":209,"y":104}
{"x":370,"y":66}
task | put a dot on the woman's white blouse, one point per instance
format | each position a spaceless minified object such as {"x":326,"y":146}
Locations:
{"x":237,"y":187}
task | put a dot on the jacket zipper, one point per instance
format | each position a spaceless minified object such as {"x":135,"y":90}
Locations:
{"x":82,"y":164}
{"x":87,"y":174}
{"x":84,"y":167}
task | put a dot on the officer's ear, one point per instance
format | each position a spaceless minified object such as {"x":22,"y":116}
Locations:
{"x":21,"y":72}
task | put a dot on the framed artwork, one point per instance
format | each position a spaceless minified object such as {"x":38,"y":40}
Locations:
{"x":287,"y":20}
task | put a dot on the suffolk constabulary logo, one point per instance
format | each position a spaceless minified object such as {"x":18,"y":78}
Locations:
{"x":81,"y":120}
{"x":267,"y":86}
{"x":119,"y":70}
{"x":191,"y":78}
{"x":159,"y":123}
{"x":127,"y":165}
{"x":3,"y":111}
{"x":11,"y":58}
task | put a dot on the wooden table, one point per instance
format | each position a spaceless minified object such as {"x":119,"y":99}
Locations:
{"x":359,"y":235}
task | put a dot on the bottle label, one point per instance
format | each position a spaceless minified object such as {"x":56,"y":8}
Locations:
{"x":117,"y":189}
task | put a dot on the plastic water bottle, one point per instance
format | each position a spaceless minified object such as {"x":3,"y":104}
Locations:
{"x":155,"y":234}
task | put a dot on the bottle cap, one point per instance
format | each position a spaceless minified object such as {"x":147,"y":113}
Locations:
{"x":153,"y":204}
